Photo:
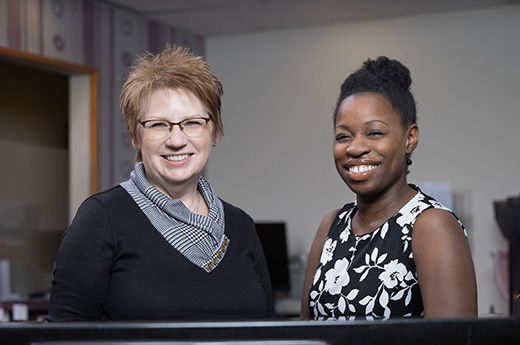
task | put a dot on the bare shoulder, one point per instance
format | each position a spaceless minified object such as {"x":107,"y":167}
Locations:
{"x":437,"y":232}
{"x":327,"y":222}
{"x":444,"y":265}
{"x":437,"y":223}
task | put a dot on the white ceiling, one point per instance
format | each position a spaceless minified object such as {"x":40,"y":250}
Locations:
{"x":216,"y":17}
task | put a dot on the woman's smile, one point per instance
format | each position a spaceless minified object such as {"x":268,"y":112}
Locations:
{"x":177,"y":158}
{"x":361,"y":172}
{"x":358,"y":169}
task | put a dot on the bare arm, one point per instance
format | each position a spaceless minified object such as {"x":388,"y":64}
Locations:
{"x":444,"y":266}
{"x":313,"y":261}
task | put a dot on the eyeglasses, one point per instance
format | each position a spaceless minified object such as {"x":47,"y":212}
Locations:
{"x":159,"y":129}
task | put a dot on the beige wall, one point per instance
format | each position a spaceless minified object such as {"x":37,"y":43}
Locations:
{"x":279,"y":92}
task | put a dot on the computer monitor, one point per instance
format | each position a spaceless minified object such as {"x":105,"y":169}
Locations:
{"x":273,"y":239}
{"x":513,"y":224}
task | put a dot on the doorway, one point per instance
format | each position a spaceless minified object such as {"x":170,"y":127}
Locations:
{"x":48,"y":137}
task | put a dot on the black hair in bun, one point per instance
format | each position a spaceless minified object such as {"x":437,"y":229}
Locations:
{"x":387,"y":77}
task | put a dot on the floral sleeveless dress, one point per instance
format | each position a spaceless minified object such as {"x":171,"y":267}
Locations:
{"x":370,"y":276}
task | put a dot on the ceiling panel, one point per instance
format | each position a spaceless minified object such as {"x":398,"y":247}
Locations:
{"x":215,"y":17}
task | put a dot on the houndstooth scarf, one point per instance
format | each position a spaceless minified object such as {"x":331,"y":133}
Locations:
{"x":200,"y":239}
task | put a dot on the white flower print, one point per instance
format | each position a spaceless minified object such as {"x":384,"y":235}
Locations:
{"x":406,"y":237}
{"x":328,"y":250}
{"x":437,"y":204}
{"x":402,"y":219}
{"x":344,"y":235}
{"x":371,"y":261}
{"x":316,"y":276}
{"x":342,"y":216}
{"x":336,"y":278}
{"x":384,"y":230}
{"x":393,"y":274}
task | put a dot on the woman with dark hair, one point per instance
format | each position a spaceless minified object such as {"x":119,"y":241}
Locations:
{"x":395,"y":251}
{"x":162,"y":245}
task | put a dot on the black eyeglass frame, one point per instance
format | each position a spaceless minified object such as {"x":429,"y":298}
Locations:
{"x":207,"y":119}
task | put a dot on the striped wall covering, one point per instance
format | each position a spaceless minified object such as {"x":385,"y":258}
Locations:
{"x":96,"y":35}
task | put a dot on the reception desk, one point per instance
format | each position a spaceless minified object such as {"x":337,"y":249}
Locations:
{"x":494,"y":331}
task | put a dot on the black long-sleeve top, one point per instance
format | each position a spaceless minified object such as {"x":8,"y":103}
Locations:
{"x":114,"y":265}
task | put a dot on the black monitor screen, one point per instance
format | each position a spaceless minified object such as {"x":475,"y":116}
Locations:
{"x":513,"y":222}
{"x":272,"y":236}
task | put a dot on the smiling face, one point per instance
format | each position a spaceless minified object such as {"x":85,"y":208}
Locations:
{"x":174,"y":164}
{"x":371,"y":145}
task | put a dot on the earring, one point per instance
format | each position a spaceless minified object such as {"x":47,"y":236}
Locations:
{"x":409,"y":162}
{"x":137,"y":147}
{"x":214,"y":145}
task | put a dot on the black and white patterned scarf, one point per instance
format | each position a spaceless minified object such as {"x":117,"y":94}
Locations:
{"x":200,"y":239}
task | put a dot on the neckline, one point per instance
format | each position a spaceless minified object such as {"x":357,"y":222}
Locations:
{"x":354,"y":209}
